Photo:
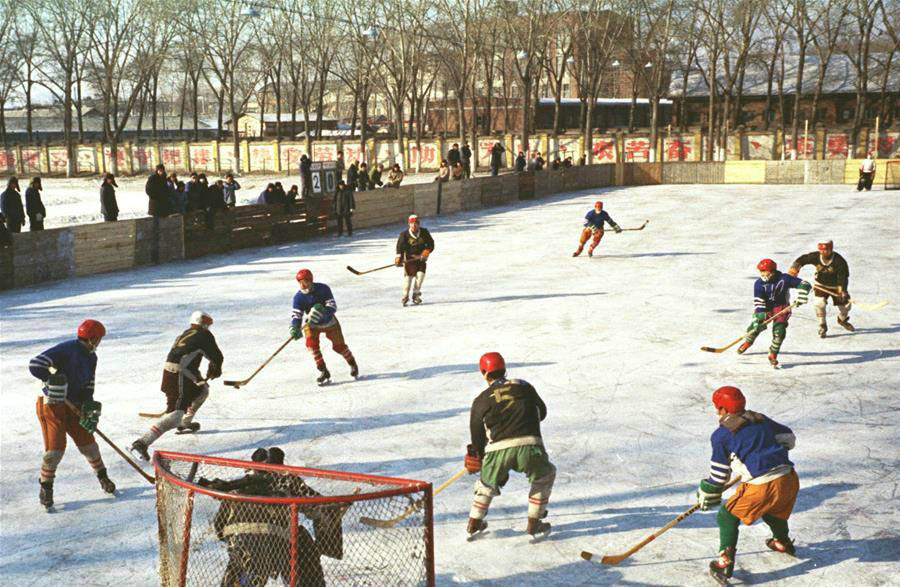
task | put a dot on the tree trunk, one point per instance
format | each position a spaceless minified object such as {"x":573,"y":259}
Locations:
{"x":798,"y":95}
{"x":589,"y":130}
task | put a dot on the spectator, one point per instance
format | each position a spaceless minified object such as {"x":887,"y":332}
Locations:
{"x":306,"y":174}
{"x":362,"y":180}
{"x":496,"y":158}
{"x":290,"y":199}
{"x":188,"y":190}
{"x":343,"y":207}
{"x":556,"y":164}
{"x":5,"y":236}
{"x":109,"y":207}
{"x":339,"y":165}
{"x":457,"y":173}
{"x":466,"y":154}
{"x":453,"y":156}
{"x":34,"y":207}
{"x":215,"y":197}
{"x":443,"y":172}
{"x":537,"y":162}
{"x":174,"y":198}
{"x":156,"y":190}
{"x":267,"y":196}
{"x":182,"y":197}
{"x":11,"y":206}
{"x":567,"y":162}
{"x":520,"y":162}
{"x":280,"y":196}
{"x":229,"y":187}
{"x":375,"y":178}
{"x":395,"y":176}
{"x":353,"y":174}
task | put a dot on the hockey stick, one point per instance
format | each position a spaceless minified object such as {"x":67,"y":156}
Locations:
{"x":710,"y":349}
{"x":357,"y":272}
{"x":860,"y":305}
{"x":127,"y":458}
{"x":641,"y":227}
{"x":413,"y":507}
{"x":617,"y":558}
{"x":238,"y":384}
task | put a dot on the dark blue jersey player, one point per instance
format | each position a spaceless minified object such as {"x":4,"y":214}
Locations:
{"x":593,"y":226}
{"x":771,"y":295}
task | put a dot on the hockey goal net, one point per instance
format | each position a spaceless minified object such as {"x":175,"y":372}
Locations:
{"x":233,"y":523}
{"x":892,"y":175}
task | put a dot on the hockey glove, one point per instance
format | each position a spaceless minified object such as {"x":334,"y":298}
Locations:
{"x":803,"y":294}
{"x":296,"y":332}
{"x":473,"y":461}
{"x":213,"y":371}
{"x":424,"y":255}
{"x":317,"y":315}
{"x":617,"y":228}
{"x":709,"y":495}
{"x":398,"y":261}
{"x":56,"y":387}
{"x":90,"y":415}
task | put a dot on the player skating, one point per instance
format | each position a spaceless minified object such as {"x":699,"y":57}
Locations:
{"x":316,"y":302}
{"x":67,"y":371}
{"x":505,"y":427}
{"x":593,"y":226}
{"x":832,"y":273}
{"x":755,"y":448}
{"x":185,"y":388}
{"x":414,"y":245}
{"x":770,"y":297}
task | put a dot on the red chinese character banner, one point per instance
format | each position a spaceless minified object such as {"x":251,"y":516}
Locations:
{"x":262,"y":157}
{"x":290,"y":158}
{"x":353,"y":153}
{"x":120,"y":158}
{"x":604,"y":149}
{"x":568,"y":147}
{"x":427,"y":159}
{"x":759,"y":146}
{"x":806,"y":146}
{"x":388,"y":154}
{"x":484,"y":151}
{"x":201,"y":157}
{"x":678,"y":148}
{"x":59,"y":160}
{"x":141,"y":158}
{"x":226,"y":158}
{"x":86,"y":161}
{"x":888,"y":145}
{"x":328,"y":152}
{"x":172,"y":158}
{"x":7,"y":161}
{"x":637,"y":150}
{"x":31,"y":160}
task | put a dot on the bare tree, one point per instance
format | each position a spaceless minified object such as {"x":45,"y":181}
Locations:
{"x":826,"y":24}
{"x":890,"y":45}
{"x":857,"y":48}
{"x":9,"y":73}
{"x":187,"y":47}
{"x":686,"y":43}
{"x":777,"y":28}
{"x":558,"y":62}
{"x":27,"y":53}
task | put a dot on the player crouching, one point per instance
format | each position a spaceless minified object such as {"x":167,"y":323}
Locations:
{"x":317,"y":302}
{"x":505,"y":427}
{"x":756,"y":448}
{"x":593,"y":227}
{"x":185,"y":388}
{"x":67,"y":371}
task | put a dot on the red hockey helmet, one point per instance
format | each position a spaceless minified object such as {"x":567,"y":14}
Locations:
{"x":304,"y":275}
{"x":91,"y":330}
{"x":491,"y":362}
{"x":766,"y":265}
{"x":730,"y":398}
{"x":598,"y":204}
{"x":826,"y":246}
{"x":413,"y":219}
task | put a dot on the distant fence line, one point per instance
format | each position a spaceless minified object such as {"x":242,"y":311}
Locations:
{"x":283,"y":156}
{"x":59,"y":253}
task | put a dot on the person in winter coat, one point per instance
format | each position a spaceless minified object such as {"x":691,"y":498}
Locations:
{"x":496,"y":158}
{"x":362,"y":180}
{"x":375,"y":178}
{"x":34,"y":207}
{"x":11,"y":206}
{"x":267,"y":196}
{"x":229,"y":187}
{"x":395,"y":176}
{"x":443,"y":172}
{"x":453,"y":155}
{"x":306,"y":174}
{"x":457,"y":172}
{"x":109,"y":207}
{"x":290,"y":199}
{"x":175,"y":205}
{"x":280,"y":196}
{"x":353,"y":174}
{"x":158,"y":192}
{"x":521,"y":163}
{"x":466,"y":156}
{"x":343,"y":207}
{"x":339,"y":165}
{"x":215,"y":195}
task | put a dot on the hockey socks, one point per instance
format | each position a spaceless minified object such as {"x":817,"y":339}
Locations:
{"x":728,"y":529}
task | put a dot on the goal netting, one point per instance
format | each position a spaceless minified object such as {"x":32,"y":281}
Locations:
{"x":892,"y":175}
{"x":230,"y":522}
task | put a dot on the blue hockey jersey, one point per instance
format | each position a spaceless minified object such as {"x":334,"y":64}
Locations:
{"x":753,"y":445}
{"x":303,"y":303}
{"x":595,"y":221}
{"x":770,"y":294}
{"x":74,"y":360}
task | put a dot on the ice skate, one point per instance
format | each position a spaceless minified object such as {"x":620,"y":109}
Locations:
{"x":46,"y":494}
{"x":722,"y":568}
{"x":105,"y":482}
{"x":354,"y":370}
{"x":188,"y":429}
{"x":405,"y":301}
{"x":787,"y":547}
{"x":537,"y":528}
{"x":324,"y":377}
{"x":417,"y":298}
{"x":591,"y":252}
{"x":578,"y":252}
{"x":823,"y":330}
{"x":773,"y":360}
{"x":846,"y":324}
{"x":139,"y":449}
{"x":744,"y":346}
{"x":475,"y":528}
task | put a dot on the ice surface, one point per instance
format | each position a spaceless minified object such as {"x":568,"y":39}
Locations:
{"x":611,"y":344}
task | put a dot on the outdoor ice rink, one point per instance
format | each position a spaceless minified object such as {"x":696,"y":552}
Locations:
{"x":611,"y":343}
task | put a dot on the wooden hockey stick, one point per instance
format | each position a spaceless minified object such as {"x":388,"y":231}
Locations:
{"x":122,"y":454}
{"x":641,"y":227}
{"x":238,"y":384}
{"x":617,"y":558}
{"x":860,"y":305}
{"x":413,"y":507}
{"x":357,"y":272}
{"x":710,"y":349}
{"x":151,"y":414}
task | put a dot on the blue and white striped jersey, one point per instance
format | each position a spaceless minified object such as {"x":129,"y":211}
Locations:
{"x":76,"y":361}
{"x":303,"y":303}
{"x":759,"y":446}
{"x":771,"y":294}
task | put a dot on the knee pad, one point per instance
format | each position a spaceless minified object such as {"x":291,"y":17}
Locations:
{"x":52,"y":458}
{"x":90,"y":451}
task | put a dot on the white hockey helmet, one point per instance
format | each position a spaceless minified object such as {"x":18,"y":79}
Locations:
{"x":201,"y":319}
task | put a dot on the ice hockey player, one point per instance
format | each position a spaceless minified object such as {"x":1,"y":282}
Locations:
{"x":771,"y":296}
{"x":316,"y":302}
{"x":413,"y":248}
{"x":67,"y":372}
{"x":593,"y":226}
{"x":755,"y":448}
{"x":505,"y":427}
{"x":866,"y":174}
{"x":185,"y":388}
{"x":832,"y":273}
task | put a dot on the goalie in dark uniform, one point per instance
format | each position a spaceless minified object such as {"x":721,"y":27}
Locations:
{"x":259,"y":535}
